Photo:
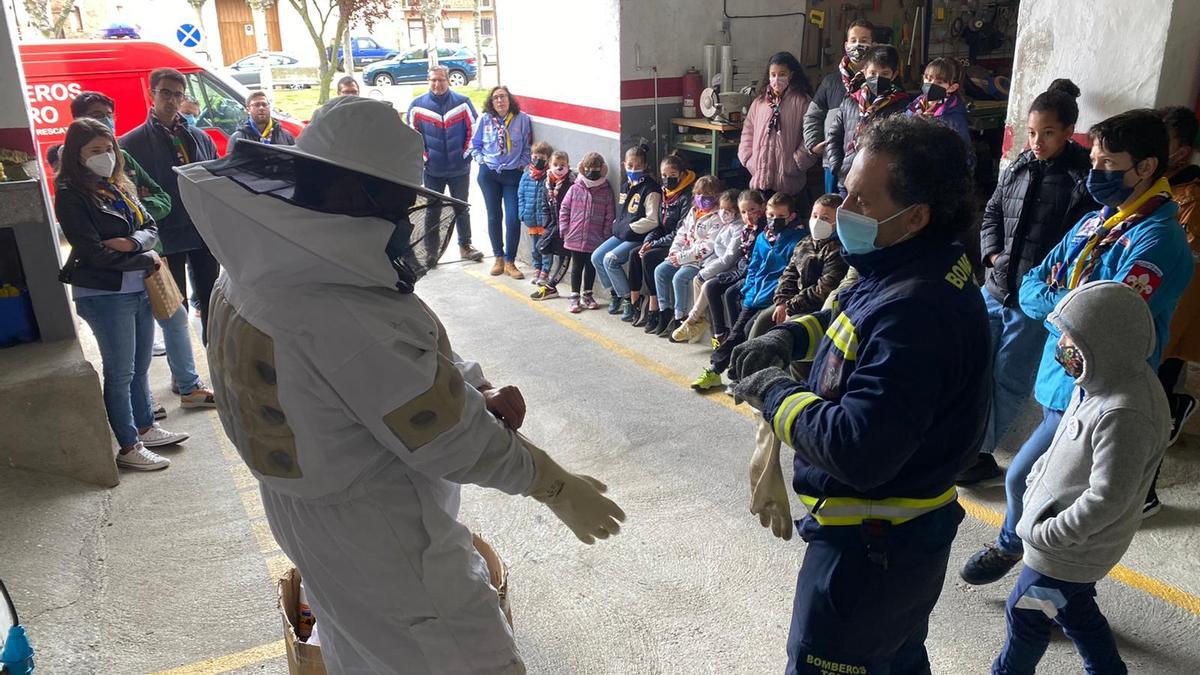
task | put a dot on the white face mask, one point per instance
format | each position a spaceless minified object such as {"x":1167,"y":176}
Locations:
{"x":102,"y":165}
{"x":820,"y":229}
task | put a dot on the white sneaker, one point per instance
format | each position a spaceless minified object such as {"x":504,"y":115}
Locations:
{"x":141,"y":459}
{"x":157,"y":436}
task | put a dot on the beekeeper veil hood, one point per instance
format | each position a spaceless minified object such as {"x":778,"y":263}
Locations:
{"x":344,"y":205}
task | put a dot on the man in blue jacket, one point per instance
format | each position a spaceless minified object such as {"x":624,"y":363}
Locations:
{"x":895,"y":405}
{"x":446,"y":121}
{"x":164,"y":142}
{"x":1134,"y":238}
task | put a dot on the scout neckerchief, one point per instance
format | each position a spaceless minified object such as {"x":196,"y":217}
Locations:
{"x":851,"y":79}
{"x":175,"y":133}
{"x":868,"y":109}
{"x":923,"y":106}
{"x":264,"y":135}
{"x":749,"y":234}
{"x":1085,"y":251}
{"x":774,"y":100}
{"x":115,"y":198}
{"x":536,"y":174}
{"x":503,"y":137}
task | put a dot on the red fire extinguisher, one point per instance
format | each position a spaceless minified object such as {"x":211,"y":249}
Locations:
{"x":693,"y":85}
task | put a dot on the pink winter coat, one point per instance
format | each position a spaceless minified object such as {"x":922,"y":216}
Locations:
{"x":777,"y":160}
{"x":586,"y":216}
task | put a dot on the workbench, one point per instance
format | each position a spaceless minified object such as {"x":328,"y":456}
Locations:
{"x":712,"y":148}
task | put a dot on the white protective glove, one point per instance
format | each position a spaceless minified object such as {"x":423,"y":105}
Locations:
{"x":769,"y":498}
{"x":575,"y":498}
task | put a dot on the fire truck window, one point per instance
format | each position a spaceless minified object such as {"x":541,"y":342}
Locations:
{"x":217,"y":107}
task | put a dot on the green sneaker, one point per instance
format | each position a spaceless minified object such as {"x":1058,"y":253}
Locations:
{"x":709,"y":379}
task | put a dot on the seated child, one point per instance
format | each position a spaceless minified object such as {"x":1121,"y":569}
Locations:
{"x":637,"y":216}
{"x":691,"y":247}
{"x":727,"y":253}
{"x":816,"y":267}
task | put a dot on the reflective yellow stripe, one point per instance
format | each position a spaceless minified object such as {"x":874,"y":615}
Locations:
{"x":841,"y":332}
{"x":785,"y":414}
{"x":853,"y":511}
{"x":813,"y":326}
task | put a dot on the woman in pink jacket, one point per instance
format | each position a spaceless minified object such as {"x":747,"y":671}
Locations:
{"x":585,"y":220}
{"x":772,"y":145}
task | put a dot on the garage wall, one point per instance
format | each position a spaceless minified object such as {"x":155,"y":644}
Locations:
{"x":1133,"y":55}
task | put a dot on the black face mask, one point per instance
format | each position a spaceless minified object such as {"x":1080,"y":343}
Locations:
{"x":778,"y":225}
{"x":671,"y":182}
{"x":591,"y":174}
{"x":933,"y":91}
{"x":539,"y":164}
{"x":878,"y":85}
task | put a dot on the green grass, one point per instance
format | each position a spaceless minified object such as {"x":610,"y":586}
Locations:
{"x":300,"y":103}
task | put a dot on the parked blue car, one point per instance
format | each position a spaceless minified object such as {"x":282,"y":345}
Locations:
{"x":364,"y":51}
{"x":413,"y":66}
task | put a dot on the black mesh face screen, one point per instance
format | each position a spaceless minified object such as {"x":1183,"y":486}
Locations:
{"x":424,"y":221}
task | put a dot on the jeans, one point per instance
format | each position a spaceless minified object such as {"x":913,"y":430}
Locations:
{"x":500,"y":197}
{"x":1017,"y":342}
{"x":541,"y":263}
{"x":674,"y":286}
{"x":204,"y":270}
{"x":830,"y":181}
{"x":1037,"y":603}
{"x":181,"y":359}
{"x":609,"y":261}
{"x":124,"y":330}
{"x":460,"y":188}
{"x":1014,"y":480}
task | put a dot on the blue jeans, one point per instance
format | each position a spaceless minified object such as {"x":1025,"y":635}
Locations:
{"x":1037,"y":603}
{"x":830,"y":181}
{"x":609,"y":261}
{"x":124,"y":330}
{"x":1017,"y":342}
{"x":178,"y":340}
{"x":1014,"y":480}
{"x":500,"y":197}
{"x":541,"y":263}
{"x":460,"y":188}
{"x":674,"y":287}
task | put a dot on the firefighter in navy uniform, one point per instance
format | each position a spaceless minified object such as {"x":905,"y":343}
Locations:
{"x":895,"y":405}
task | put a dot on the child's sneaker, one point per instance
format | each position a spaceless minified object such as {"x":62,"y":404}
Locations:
{"x":544,"y":293}
{"x":716,"y":341}
{"x":200,"y":398}
{"x":141,"y":459}
{"x":575,"y":308}
{"x":614,"y":303}
{"x":709,"y":379}
{"x":690,"y":331}
{"x":537,"y":279}
{"x":589,"y":302}
{"x":629,"y":310}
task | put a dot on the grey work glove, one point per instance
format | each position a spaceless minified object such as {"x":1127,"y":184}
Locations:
{"x":576,"y":499}
{"x":751,"y":389}
{"x":773,"y":348}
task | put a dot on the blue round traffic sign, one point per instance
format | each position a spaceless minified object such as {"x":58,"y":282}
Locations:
{"x":188,"y":35}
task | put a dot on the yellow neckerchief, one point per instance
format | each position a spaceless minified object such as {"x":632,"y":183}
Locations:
{"x":132,"y":207}
{"x":685,"y":181}
{"x":265,"y":135}
{"x":1160,"y":186}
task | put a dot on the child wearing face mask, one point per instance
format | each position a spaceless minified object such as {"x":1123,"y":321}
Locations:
{"x":678,"y":181}
{"x":691,"y":247}
{"x":555,"y":258}
{"x":531,"y":198}
{"x":941,"y":98}
{"x":637,"y":215}
{"x":772,"y":142}
{"x":584,"y":220}
{"x":817,"y":266}
{"x":727,"y":253}
{"x":773,"y":249}
{"x":879,"y":96}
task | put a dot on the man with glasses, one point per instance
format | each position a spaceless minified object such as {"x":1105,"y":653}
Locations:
{"x":446,"y":120}
{"x":260,"y":126}
{"x":164,"y":142}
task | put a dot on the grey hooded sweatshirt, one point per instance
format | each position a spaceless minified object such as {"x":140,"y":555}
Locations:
{"x":1084,"y":501}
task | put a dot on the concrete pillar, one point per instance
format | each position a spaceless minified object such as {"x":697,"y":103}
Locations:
{"x":1122,"y":55}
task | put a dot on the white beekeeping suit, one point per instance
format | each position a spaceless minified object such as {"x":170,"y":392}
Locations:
{"x":341,"y":391}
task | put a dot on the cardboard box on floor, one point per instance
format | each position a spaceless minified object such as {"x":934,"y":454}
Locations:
{"x":305,"y":659}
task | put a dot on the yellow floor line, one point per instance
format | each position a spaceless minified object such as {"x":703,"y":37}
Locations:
{"x":981,"y":512}
{"x":230,"y":662}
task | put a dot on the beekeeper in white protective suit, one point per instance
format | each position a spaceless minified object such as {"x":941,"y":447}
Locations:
{"x":341,"y":392}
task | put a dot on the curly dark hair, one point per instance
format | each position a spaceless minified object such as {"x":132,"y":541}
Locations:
{"x":928,"y":166}
{"x":490,"y":108}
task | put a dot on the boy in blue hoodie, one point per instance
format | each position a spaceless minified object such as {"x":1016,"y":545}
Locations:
{"x":771,"y":255}
{"x":1135,"y":238}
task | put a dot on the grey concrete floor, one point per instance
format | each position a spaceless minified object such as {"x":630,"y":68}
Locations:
{"x":173,"y":571}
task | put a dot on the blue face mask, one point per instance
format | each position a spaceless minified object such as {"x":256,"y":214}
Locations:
{"x":108,"y":122}
{"x":190,"y":119}
{"x":858,"y":232}
{"x":634,"y":176}
{"x":1108,"y":187}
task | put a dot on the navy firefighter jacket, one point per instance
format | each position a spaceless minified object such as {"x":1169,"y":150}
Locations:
{"x":898,"y":396}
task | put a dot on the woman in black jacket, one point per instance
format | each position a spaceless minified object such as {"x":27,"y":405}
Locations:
{"x":677,"y":182}
{"x":112,"y":239}
{"x":1039,"y":198}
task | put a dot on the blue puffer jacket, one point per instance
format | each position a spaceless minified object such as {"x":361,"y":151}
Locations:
{"x":447,"y":123}
{"x":767,"y":262}
{"x":897,"y":399}
{"x":1153,"y":257}
{"x":531,"y":198}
